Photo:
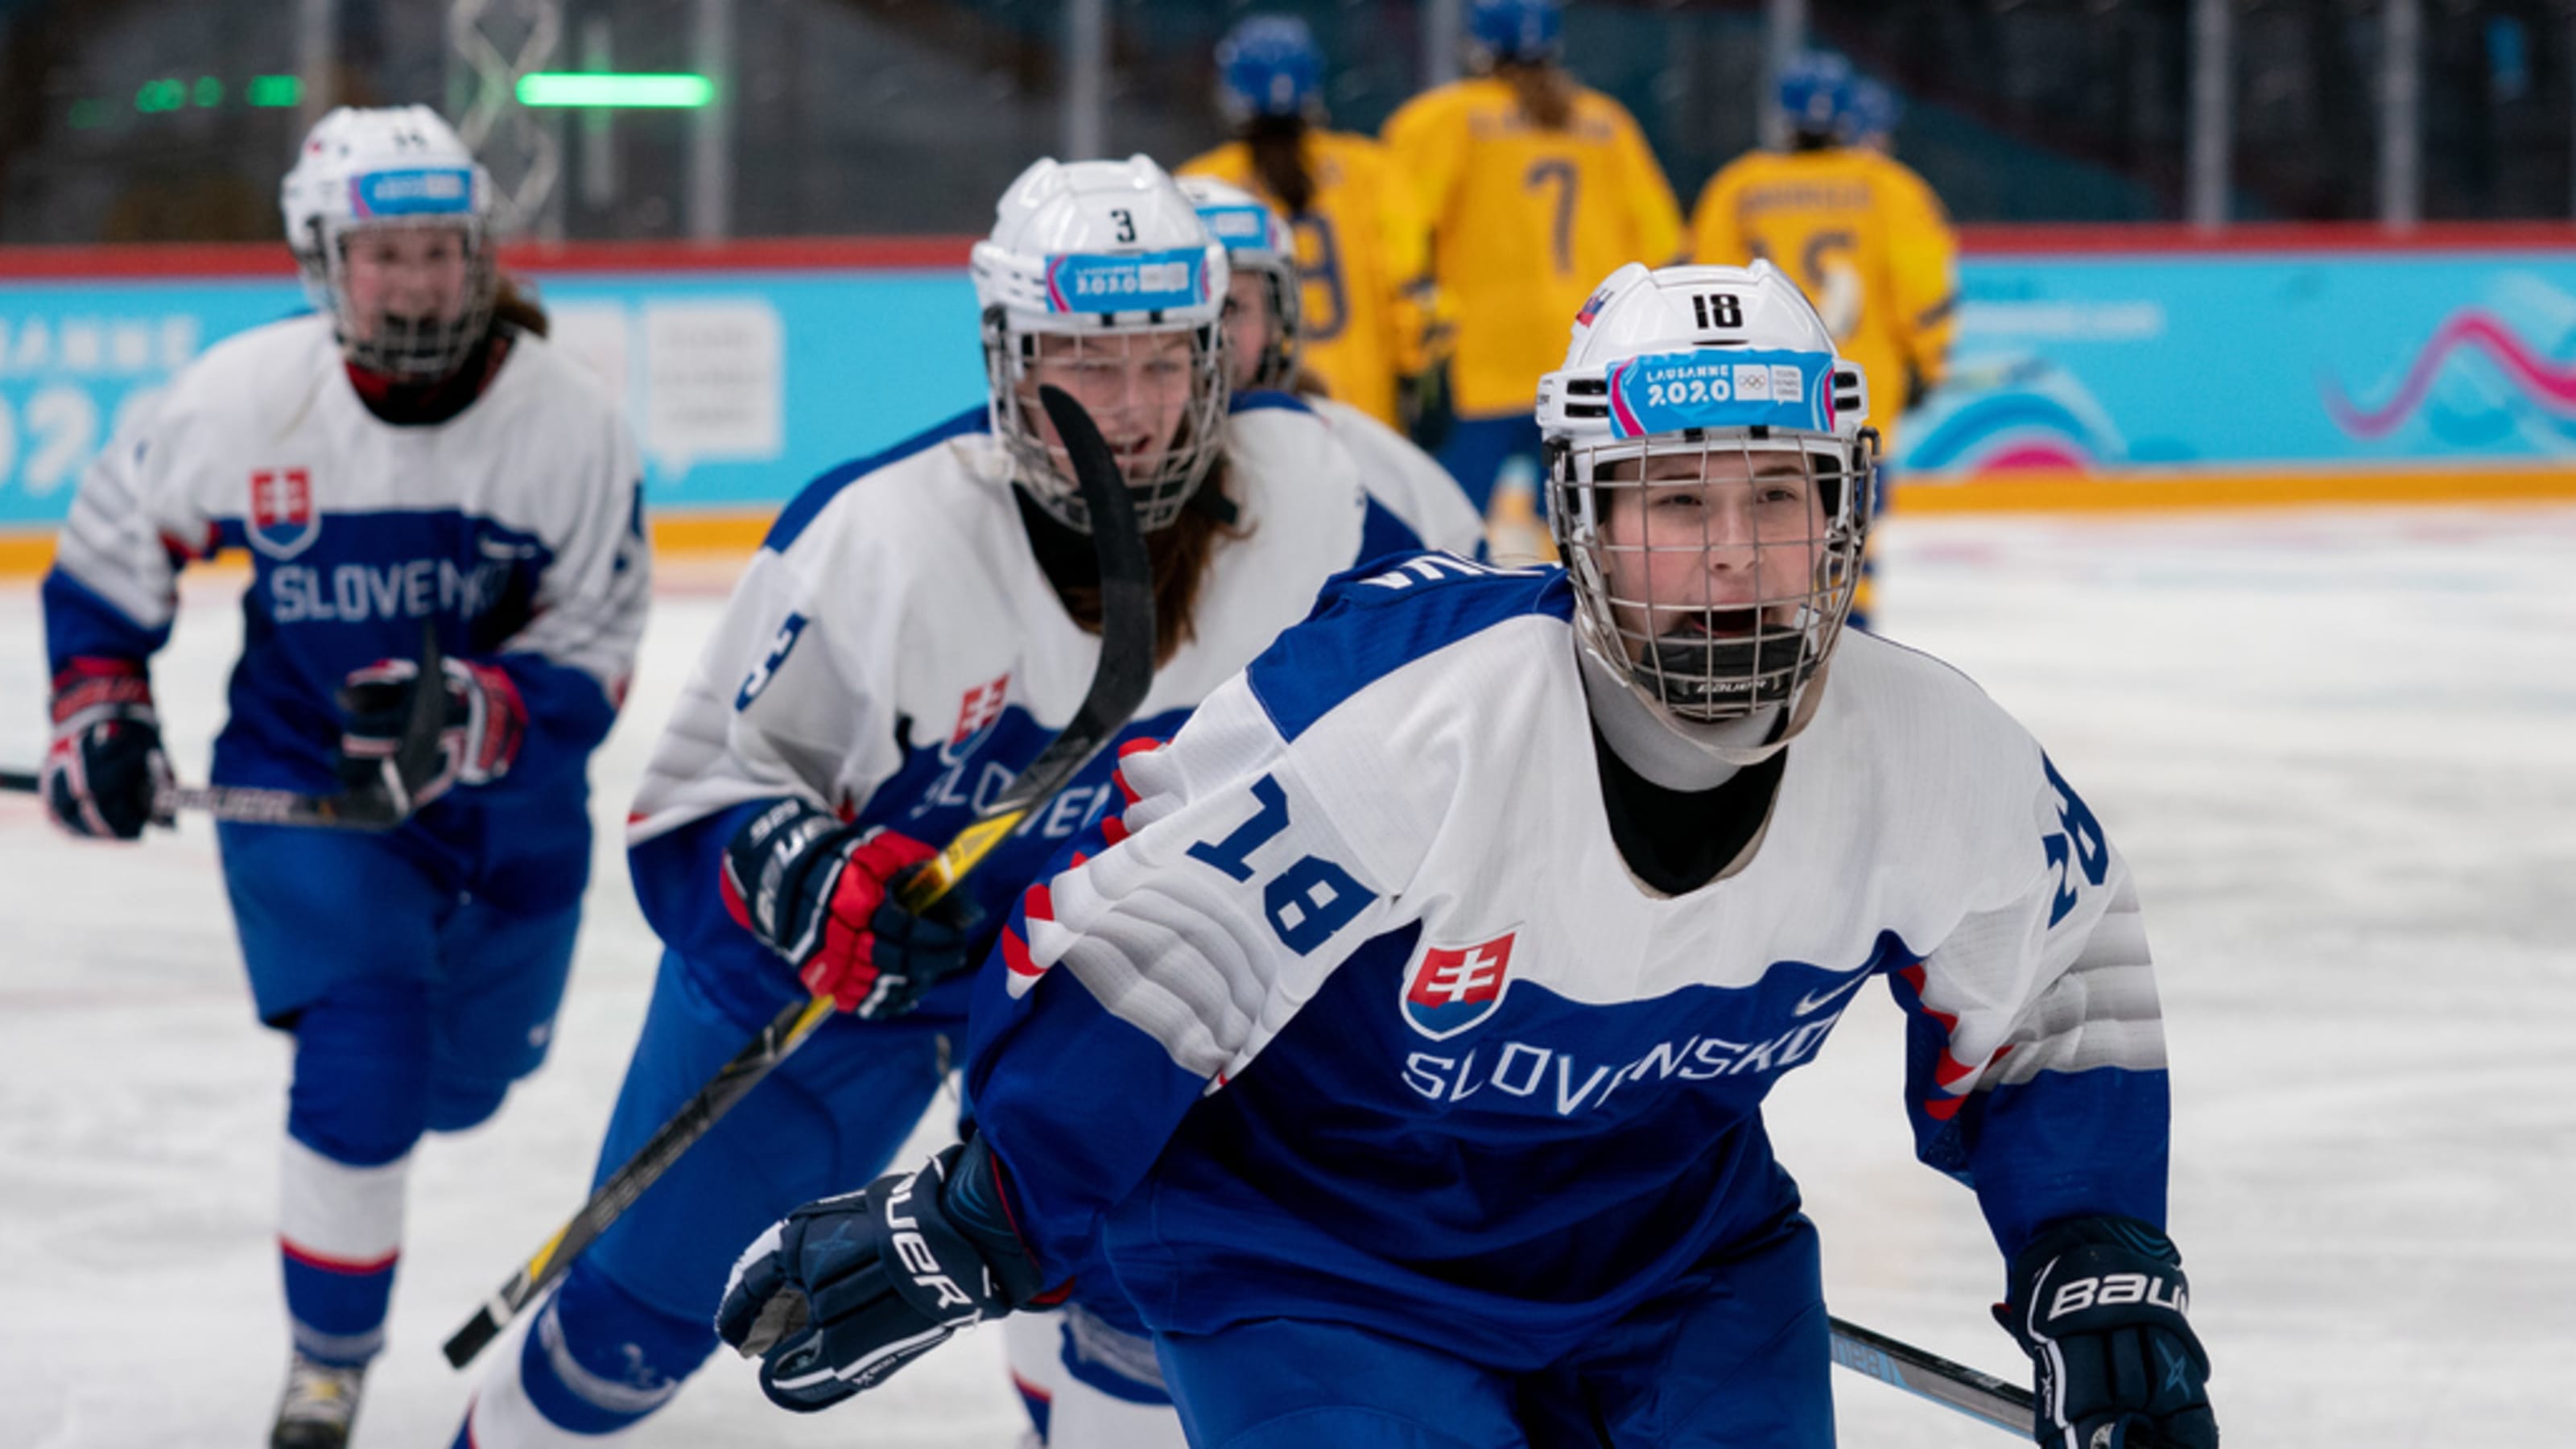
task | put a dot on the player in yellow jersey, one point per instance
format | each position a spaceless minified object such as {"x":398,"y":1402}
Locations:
{"x":1857,"y":229}
{"x":1536,"y":187}
{"x":1371,"y":320}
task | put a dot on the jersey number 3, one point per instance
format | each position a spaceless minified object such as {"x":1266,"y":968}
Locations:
{"x":1305,"y":903}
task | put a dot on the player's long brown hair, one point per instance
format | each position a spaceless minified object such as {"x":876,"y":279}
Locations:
{"x":1545,"y":92}
{"x":518,"y":306}
{"x":1278,"y":146}
{"x":1180,"y":555}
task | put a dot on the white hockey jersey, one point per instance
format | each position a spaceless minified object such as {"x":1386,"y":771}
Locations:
{"x":1406,"y":482}
{"x":515,"y":527}
{"x":896,"y":654}
{"x":1366,"y":1020}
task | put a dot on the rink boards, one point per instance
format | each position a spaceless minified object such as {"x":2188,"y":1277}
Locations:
{"x":2094,"y":368}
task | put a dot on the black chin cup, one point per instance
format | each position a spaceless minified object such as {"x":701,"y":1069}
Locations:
{"x":1720,"y":677}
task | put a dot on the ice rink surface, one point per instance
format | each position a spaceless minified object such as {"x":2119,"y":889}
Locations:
{"x":2340,"y":751}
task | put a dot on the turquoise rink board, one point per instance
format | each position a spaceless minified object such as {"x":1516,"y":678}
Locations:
{"x":743,"y":384}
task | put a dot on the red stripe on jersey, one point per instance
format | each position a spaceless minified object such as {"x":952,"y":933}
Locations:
{"x":1112,"y":829}
{"x":1942,"y":1109}
{"x":1015,"y":954}
{"x":328,"y":1264}
{"x":1037,"y":904}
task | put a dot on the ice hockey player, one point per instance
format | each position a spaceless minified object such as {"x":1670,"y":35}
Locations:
{"x":1535,"y":186}
{"x":918,"y":625}
{"x":1855,"y":227}
{"x":1402,"y":1058}
{"x":411,"y":452}
{"x":1265,"y":334}
{"x":1374,"y":333}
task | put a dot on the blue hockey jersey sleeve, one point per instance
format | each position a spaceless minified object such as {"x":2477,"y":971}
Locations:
{"x":2035,"y":1054}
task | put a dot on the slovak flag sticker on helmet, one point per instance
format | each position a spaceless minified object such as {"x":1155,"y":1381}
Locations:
{"x":1453,"y":988}
{"x":1721,"y":388}
{"x":1146,"y":282}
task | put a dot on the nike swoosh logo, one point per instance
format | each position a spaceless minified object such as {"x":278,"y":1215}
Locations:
{"x":1807,"y":1004}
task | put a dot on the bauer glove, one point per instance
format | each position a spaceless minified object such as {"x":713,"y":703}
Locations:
{"x":843,"y":1292}
{"x":2098,"y":1304}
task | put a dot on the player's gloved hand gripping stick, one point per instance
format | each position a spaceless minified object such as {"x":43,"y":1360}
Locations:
{"x":103,"y":715}
{"x":1118,"y":685}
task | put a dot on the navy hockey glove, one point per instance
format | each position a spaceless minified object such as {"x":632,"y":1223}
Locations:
{"x":843,"y":1292}
{"x":485,"y":722}
{"x":104,"y":771}
{"x":2098,"y":1305}
{"x":821,"y":894}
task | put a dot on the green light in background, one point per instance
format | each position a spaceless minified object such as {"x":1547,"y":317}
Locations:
{"x":573,"y":88}
{"x":88,"y":115}
{"x":161,"y":95}
{"x":210,"y":92}
{"x":275,"y":90}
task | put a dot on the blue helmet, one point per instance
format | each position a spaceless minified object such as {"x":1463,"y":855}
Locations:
{"x":1875,"y":109}
{"x":1816,"y":93}
{"x":1516,"y":30}
{"x":1269,"y":65}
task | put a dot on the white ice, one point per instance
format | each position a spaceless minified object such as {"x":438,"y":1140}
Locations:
{"x":2340,"y":751}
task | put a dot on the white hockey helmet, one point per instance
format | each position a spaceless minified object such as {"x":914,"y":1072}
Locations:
{"x":1256,"y":241}
{"x":394,"y":166}
{"x":1088,"y":250}
{"x":1720,"y":388}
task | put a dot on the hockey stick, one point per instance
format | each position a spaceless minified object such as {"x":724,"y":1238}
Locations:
{"x":1929,"y":1376}
{"x":1118,"y":684}
{"x":370,"y":807}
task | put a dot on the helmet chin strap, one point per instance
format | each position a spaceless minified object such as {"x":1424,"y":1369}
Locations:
{"x":1675,"y":753}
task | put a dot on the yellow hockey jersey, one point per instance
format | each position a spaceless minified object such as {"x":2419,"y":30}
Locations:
{"x":1363,"y":255}
{"x":1867,"y":240}
{"x":1525,"y":223}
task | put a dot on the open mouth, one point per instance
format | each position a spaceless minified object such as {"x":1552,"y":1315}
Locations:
{"x":1716,"y":624}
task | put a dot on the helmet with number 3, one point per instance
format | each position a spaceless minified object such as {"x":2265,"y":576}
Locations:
{"x":1099,"y":278}
{"x":1711,"y":470}
{"x":421,"y":307}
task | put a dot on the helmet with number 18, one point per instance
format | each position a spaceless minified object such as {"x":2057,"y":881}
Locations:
{"x":1711,"y":466}
{"x":389,"y":217}
{"x":1099,"y":279}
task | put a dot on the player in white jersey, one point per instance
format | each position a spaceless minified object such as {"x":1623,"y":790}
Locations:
{"x":1264,"y":334}
{"x":1400,"y":1051}
{"x":1088,"y":1375}
{"x":411,"y":454}
{"x":918,"y":625}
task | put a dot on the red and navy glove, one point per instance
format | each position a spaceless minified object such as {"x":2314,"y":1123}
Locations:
{"x":485,"y":721}
{"x":817,"y":892}
{"x":2098,"y":1304}
{"x":104,"y":770}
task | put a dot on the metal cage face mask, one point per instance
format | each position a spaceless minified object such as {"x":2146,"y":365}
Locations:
{"x":1278,"y":364}
{"x":1163,"y":413}
{"x":1713,"y":572}
{"x":410,"y":346}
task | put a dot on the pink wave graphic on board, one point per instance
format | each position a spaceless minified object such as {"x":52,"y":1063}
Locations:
{"x":2550,"y":383}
